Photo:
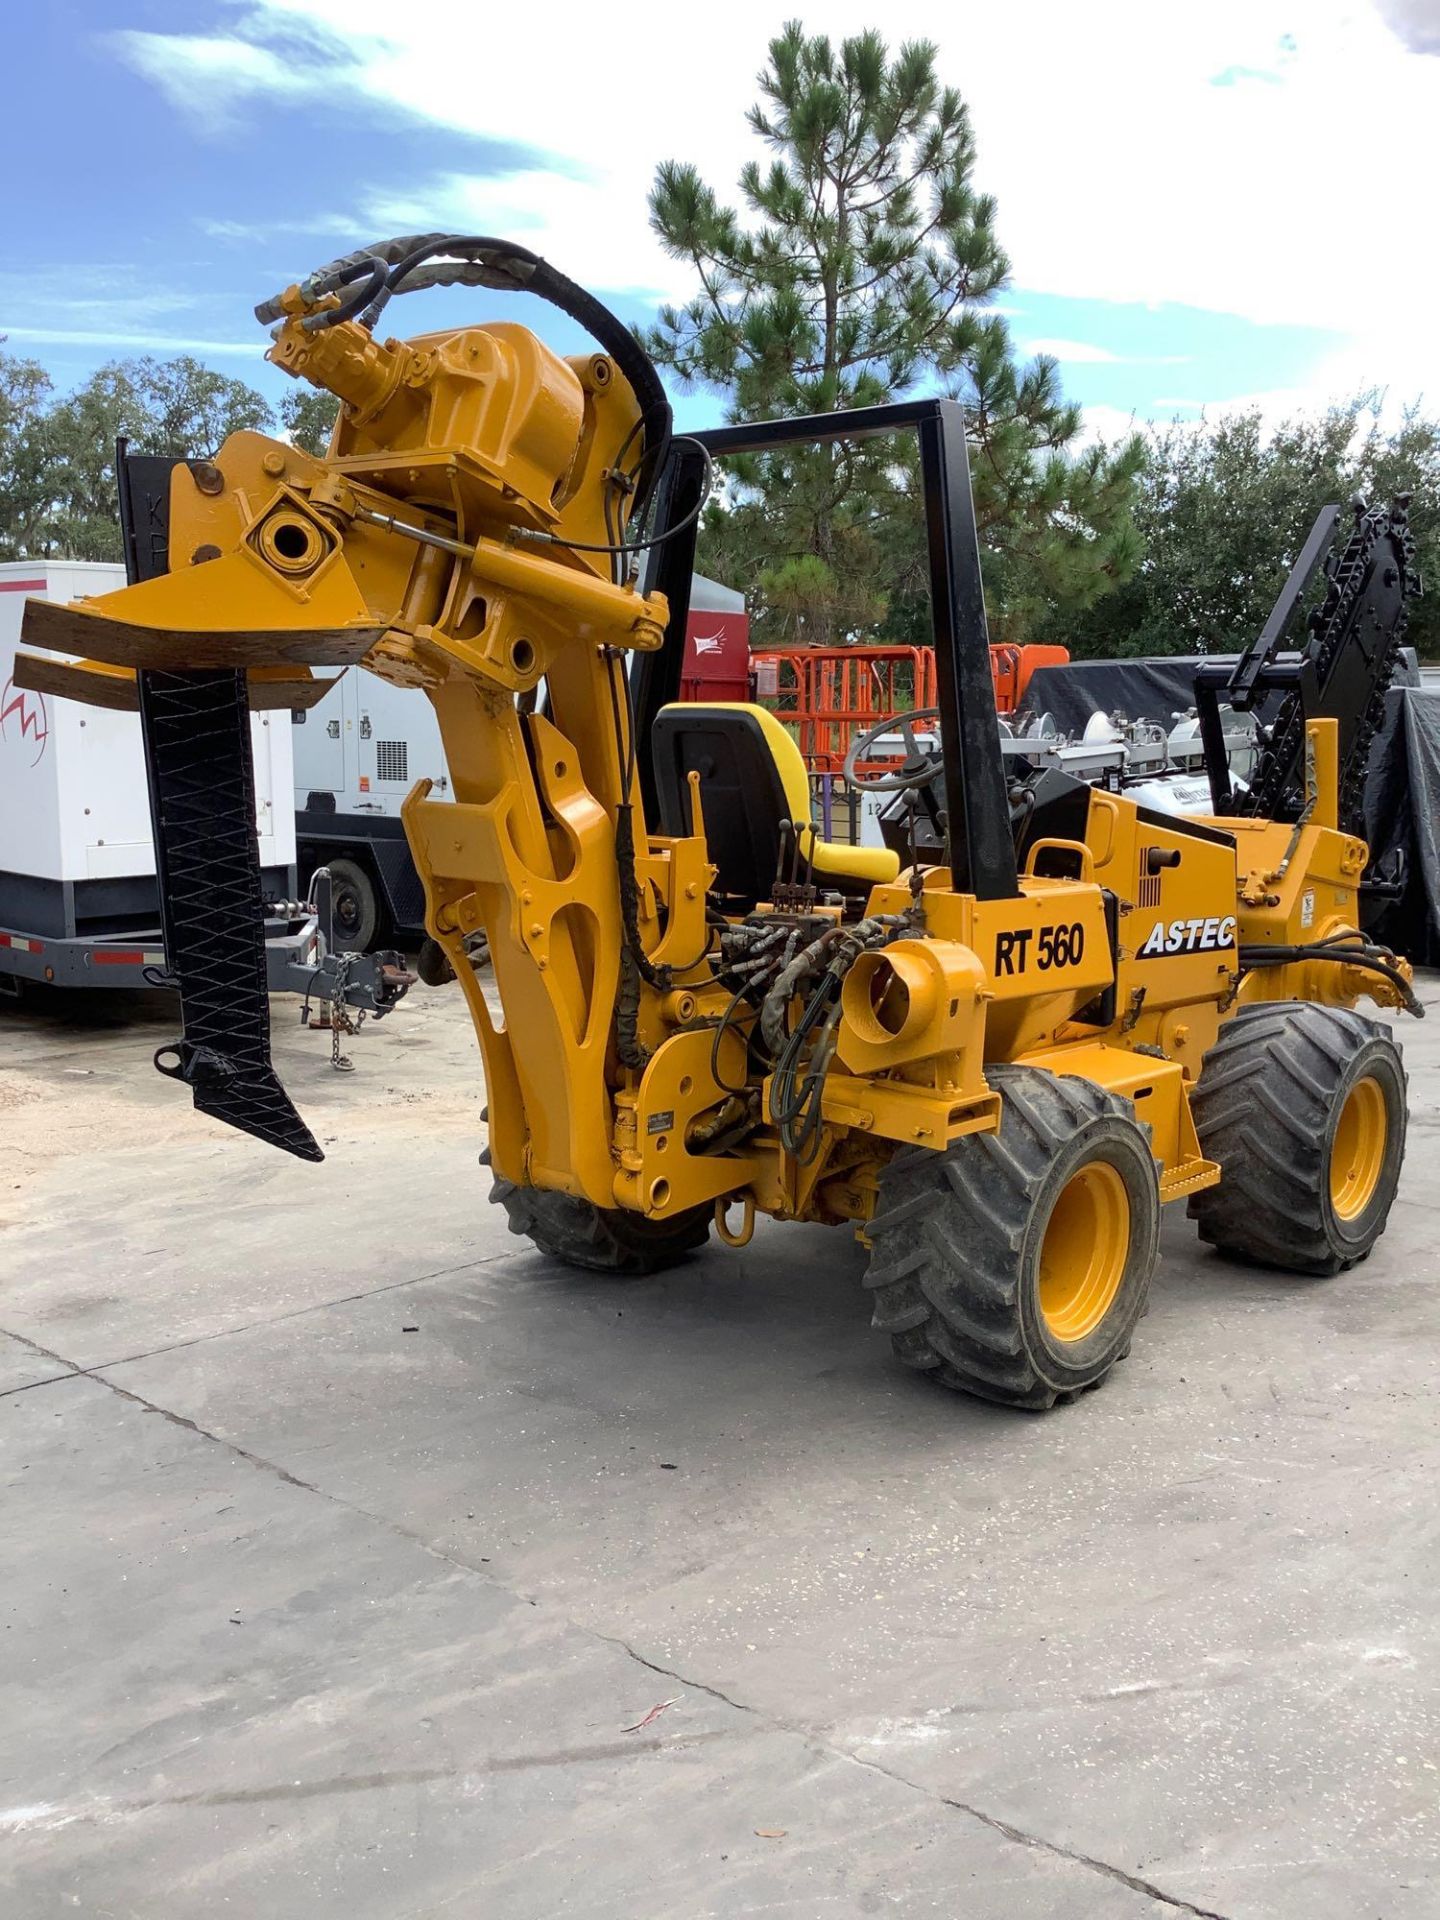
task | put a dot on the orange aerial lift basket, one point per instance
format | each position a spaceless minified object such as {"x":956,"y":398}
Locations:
{"x":829,"y":694}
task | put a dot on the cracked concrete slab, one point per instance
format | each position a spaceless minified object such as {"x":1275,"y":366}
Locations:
{"x":22,"y":1366}
{"x":223,"y":1690}
{"x":1180,"y":1632}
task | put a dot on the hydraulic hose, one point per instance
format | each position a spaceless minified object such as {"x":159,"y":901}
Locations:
{"x":412,"y":262}
{"x":1372,"y":958}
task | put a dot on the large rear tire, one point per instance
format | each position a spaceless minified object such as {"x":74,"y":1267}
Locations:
{"x":1015,"y":1265}
{"x":599,"y":1239}
{"x":1304,"y":1108}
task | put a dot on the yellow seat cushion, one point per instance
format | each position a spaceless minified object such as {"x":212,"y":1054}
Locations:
{"x":873,"y":866}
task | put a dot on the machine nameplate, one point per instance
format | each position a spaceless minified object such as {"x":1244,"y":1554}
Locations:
{"x":1188,"y":936}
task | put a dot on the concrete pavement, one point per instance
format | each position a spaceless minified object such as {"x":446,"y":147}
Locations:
{"x":348,"y":1541}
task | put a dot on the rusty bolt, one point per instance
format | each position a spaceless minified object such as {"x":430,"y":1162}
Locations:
{"x":207,"y":477}
{"x":202,"y":554}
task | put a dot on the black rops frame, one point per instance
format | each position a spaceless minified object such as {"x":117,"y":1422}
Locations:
{"x":977,"y":807}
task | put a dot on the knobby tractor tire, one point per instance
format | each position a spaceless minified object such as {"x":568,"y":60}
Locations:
{"x":600,"y":1239}
{"x":1304,"y":1107}
{"x":1015,"y":1265}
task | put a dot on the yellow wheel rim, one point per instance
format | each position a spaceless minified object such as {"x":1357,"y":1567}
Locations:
{"x":1358,"y":1153}
{"x":1083,"y":1254}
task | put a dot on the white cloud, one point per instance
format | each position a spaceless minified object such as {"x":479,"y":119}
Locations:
{"x":1107,"y":423}
{"x":554,"y":213}
{"x":1077,"y":352}
{"x":1417,"y":22}
{"x":257,"y":233}
{"x":132,"y":342}
{"x":73,"y":293}
{"x":210,"y":79}
{"x":1123,"y":170}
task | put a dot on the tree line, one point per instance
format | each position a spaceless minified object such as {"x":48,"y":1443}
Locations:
{"x":58,"y":497}
{"x":859,"y":265}
{"x":1221,"y":510}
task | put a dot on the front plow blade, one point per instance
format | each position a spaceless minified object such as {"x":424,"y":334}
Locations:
{"x":202,"y":805}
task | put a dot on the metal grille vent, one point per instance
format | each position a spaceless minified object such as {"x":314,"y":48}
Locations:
{"x":1149,"y":882}
{"x":390,"y":760}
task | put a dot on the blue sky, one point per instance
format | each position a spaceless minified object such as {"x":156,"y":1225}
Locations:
{"x":1189,"y":200}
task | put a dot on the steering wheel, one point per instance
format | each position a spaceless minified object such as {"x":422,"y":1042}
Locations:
{"x":917,"y":769}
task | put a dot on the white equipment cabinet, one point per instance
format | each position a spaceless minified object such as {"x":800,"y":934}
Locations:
{"x":78,"y":899}
{"x":357,"y":753}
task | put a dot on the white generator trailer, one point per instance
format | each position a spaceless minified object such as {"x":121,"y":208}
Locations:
{"x":78,"y":899}
{"x":79,"y":902}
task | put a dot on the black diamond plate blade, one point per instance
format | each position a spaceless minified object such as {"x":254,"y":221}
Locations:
{"x":202,"y":805}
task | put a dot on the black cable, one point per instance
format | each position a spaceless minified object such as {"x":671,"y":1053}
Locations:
{"x":787,"y":1106}
{"x":350,"y":306}
{"x":721,"y":1027}
{"x":623,"y":483}
{"x":654,"y":540}
{"x":329,"y":279}
{"x":1368,"y":957}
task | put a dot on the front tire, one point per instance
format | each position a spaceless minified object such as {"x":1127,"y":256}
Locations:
{"x":1015,"y":1265}
{"x":1304,"y":1107}
{"x":599,"y":1239}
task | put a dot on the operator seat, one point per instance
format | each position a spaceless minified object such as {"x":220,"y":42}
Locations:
{"x":752,"y":780}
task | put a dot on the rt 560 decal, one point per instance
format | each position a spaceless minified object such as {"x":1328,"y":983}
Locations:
{"x":1188,"y":936}
{"x":1062,"y":946}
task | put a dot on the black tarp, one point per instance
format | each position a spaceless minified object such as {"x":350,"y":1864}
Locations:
{"x":1142,"y":689}
{"x":1402,"y":791}
{"x":1402,"y":809}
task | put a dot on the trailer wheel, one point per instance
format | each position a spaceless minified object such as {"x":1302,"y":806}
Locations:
{"x":432,"y":964}
{"x":600,"y":1239}
{"x":1304,"y":1108}
{"x":1015,"y":1265}
{"x":354,"y":906}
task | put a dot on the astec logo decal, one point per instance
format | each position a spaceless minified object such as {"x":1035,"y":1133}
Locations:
{"x":1189,"y":936}
{"x":23,"y":718}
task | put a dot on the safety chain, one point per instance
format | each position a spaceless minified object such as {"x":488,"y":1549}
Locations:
{"x":342,"y":1022}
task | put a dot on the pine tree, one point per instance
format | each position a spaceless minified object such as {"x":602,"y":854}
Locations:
{"x":857,"y":271}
